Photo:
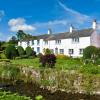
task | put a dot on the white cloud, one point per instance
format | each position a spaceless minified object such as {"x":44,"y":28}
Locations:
{"x":20,"y":24}
{"x":2,"y":13}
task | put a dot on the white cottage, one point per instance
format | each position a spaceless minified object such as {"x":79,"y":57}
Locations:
{"x":70,"y":43}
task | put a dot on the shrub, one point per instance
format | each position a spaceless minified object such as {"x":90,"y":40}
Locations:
{"x":46,"y":51}
{"x":61,"y":56}
{"x":2,"y":56}
{"x":39,"y":55}
{"x":4,"y":60}
{"x":29,"y":51}
{"x":11,"y":52}
{"x":89,"y":52}
{"x":48,"y":60}
{"x":24,"y":56}
{"x":34,"y":53}
{"x":20,"y":50}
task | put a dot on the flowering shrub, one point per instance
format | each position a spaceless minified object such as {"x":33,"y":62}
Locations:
{"x":48,"y":60}
{"x":61,"y":56}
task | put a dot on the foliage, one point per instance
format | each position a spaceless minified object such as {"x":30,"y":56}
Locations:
{"x":39,"y":97}
{"x":4,"y":60}
{"x":9,"y":71}
{"x":39,"y":55}
{"x":2,"y":56}
{"x":89,"y":52}
{"x":48,"y":60}
{"x":61,"y":56}
{"x":22,"y":35}
{"x":20,"y":50}
{"x":12,"y":96}
{"x":13,"y":40}
{"x":47,"y":51}
{"x":11,"y":52}
{"x":29,"y":51}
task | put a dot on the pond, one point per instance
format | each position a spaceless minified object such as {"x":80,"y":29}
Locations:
{"x":33,"y":89}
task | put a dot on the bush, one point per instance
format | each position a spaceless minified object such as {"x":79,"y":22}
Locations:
{"x":61,"y":56}
{"x":39,"y":55}
{"x":11,"y":52}
{"x":24,"y":56}
{"x":20,"y":50}
{"x":46,"y":51}
{"x":48,"y":60}
{"x":34,"y":53}
{"x":4,"y":60}
{"x":29,"y":51}
{"x":2,"y":56}
{"x":89,"y":52}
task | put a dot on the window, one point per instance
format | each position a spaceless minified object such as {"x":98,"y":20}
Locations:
{"x":52,"y":51}
{"x":38,"y":49}
{"x":38,"y":42}
{"x":61,"y":51}
{"x":56,"y":50}
{"x":58,"y":41}
{"x":32,"y":42}
{"x":71,"y":51}
{"x":81,"y":51}
{"x":28,"y":43}
{"x":46,"y":42}
{"x":75,"y":40}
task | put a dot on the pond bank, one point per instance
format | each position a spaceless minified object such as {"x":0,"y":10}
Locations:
{"x":33,"y":89}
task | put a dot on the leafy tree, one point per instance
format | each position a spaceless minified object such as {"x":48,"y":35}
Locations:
{"x":29,"y":51}
{"x":20,"y":50}
{"x":11,"y":52}
{"x":13,"y":40}
{"x":20,"y":34}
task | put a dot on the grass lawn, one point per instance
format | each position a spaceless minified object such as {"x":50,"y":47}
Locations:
{"x":65,"y":64}
{"x":27,"y":62}
{"x":60,"y":64}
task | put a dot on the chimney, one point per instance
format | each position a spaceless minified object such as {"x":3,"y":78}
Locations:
{"x":49,"y":31}
{"x":71,"y":28}
{"x":94,"y":25}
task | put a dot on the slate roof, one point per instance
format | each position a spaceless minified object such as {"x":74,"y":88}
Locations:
{"x":65,"y":35}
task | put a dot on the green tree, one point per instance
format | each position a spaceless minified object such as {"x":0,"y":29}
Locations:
{"x":13,"y":40}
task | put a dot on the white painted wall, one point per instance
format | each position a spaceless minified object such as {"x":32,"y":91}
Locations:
{"x":66,"y":44}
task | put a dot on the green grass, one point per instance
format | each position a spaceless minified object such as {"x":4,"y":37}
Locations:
{"x":9,"y":96}
{"x":69,"y":64}
{"x":61,"y":64}
{"x":27,"y":62}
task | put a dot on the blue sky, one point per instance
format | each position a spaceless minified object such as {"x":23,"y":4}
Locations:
{"x":36,"y":16}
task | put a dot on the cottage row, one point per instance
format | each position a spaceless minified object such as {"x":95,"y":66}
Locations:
{"x":70,"y":43}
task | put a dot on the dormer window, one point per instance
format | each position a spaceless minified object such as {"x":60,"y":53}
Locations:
{"x":58,"y":41}
{"x":75,"y":40}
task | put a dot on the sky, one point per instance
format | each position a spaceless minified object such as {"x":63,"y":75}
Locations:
{"x":36,"y":16}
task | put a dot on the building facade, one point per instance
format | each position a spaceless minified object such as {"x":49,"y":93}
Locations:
{"x":70,"y":43}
